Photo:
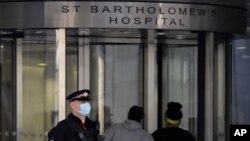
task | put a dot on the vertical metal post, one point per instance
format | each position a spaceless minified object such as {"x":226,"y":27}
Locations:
{"x":100,"y":62}
{"x":97,"y":82}
{"x":19,"y":88}
{"x":60,"y":68}
{"x":83,"y":63}
{"x":150,"y":85}
{"x":219,"y":92}
{"x":228,"y":86}
{"x":209,"y":78}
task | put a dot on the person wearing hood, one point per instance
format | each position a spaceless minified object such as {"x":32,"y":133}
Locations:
{"x":130,"y":129}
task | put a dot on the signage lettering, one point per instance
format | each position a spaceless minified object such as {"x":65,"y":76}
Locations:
{"x":130,"y":15}
{"x":154,"y":10}
{"x":67,"y":9}
{"x":147,"y":20}
{"x":167,"y":15}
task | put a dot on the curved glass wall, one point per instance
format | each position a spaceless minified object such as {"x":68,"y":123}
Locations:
{"x":240,"y":77}
{"x":114,"y":58}
{"x":180,"y":56}
{"x":121,"y":67}
{"x":39,"y":81}
{"x":7,"y":91}
{"x":221,"y":82}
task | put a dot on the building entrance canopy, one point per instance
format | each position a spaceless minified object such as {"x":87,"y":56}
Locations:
{"x":139,"y":15}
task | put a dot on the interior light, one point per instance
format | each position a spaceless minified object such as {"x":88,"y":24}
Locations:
{"x":42,"y":64}
{"x":161,"y":33}
{"x":246,"y":56}
{"x":39,"y":32}
{"x":6,"y":32}
{"x":241,"y":47}
{"x":83,"y":32}
{"x":180,"y":37}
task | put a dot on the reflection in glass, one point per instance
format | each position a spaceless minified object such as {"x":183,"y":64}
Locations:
{"x":122,"y":84}
{"x":113,"y":59}
{"x":7,"y":97}
{"x":40,"y":100}
{"x":219,"y":88}
{"x":71,"y":66}
{"x":241,"y":79}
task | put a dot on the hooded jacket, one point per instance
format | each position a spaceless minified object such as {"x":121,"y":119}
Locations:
{"x":129,"y":130}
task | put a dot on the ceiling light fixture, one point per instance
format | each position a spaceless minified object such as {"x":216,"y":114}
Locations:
{"x":241,"y":47}
{"x":180,"y":37}
{"x":42,"y":64}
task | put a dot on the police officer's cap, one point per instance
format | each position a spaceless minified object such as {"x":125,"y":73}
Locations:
{"x":81,"y":95}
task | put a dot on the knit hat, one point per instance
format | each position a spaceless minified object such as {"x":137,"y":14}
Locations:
{"x":173,"y":113}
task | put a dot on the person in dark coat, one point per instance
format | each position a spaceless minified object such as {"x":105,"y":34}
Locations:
{"x":172,"y":132}
{"x":77,"y":126}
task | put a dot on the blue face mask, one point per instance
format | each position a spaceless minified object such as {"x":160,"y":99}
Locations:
{"x":85,"y":108}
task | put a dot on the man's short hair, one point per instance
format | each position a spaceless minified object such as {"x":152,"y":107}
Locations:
{"x":136,"y":113}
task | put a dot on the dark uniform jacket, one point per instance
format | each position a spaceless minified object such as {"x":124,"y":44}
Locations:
{"x":72,"y":129}
{"x":172,"y":134}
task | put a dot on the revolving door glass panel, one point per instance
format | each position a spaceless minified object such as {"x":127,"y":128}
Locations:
{"x":7,"y":93}
{"x":179,"y":52}
{"x":109,"y":62}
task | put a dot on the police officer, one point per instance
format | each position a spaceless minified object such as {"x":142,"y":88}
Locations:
{"x":77,"y":126}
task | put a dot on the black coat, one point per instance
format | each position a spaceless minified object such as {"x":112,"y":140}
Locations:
{"x":70,"y":129}
{"x":172,"y":134}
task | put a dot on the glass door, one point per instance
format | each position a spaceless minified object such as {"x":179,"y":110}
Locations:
{"x":7,"y":90}
{"x":119,"y":66}
{"x":192,"y":72}
{"x":122,"y":67}
{"x":110,"y":65}
{"x":36,"y":100}
{"x":178,"y":53}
